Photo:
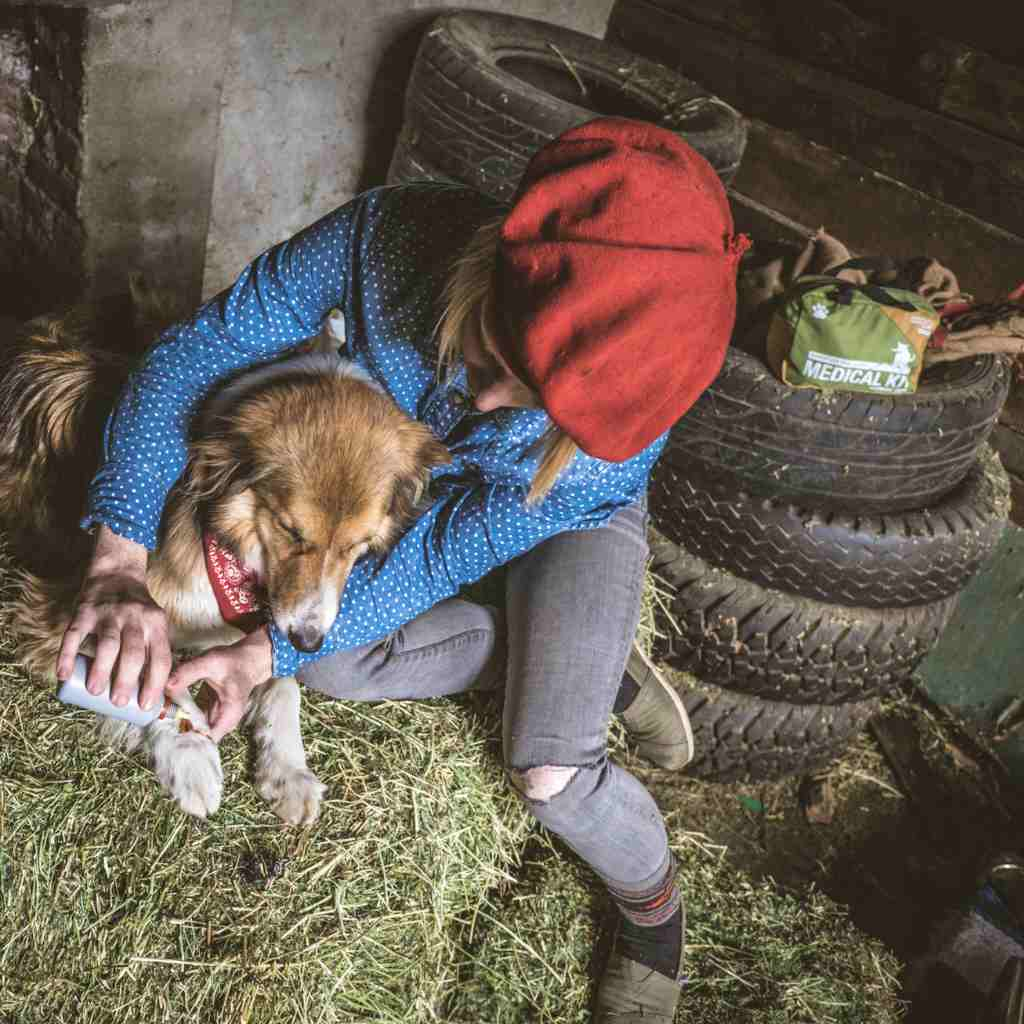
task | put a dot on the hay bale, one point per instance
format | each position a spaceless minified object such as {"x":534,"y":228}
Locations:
{"x":406,"y":903}
{"x":120,"y":910}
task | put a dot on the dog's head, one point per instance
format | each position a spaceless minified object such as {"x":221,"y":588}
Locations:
{"x":302,"y":473}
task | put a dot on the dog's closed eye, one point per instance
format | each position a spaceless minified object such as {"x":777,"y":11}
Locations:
{"x":291,"y":531}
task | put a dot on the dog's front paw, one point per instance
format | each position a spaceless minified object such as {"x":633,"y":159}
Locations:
{"x":188,"y":767}
{"x":294,"y":794}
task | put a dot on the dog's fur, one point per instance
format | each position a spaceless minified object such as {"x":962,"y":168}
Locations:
{"x":299,"y":467}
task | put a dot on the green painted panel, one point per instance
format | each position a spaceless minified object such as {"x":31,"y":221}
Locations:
{"x":977,"y":668}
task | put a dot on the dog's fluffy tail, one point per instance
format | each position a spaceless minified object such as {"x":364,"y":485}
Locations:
{"x":56,"y":391}
{"x":59,"y":378}
{"x":55,"y":375}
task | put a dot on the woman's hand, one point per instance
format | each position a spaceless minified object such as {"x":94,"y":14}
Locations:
{"x":130,"y":629}
{"x":232,"y":673}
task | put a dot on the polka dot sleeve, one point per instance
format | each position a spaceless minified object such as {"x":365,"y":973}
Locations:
{"x":280,"y":299}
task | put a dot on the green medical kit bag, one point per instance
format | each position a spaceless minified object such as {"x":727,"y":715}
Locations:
{"x":831,"y":334}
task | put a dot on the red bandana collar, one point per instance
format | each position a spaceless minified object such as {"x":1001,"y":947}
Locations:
{"x":234,"y":586}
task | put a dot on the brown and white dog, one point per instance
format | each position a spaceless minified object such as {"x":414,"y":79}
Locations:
{"x":296,"y":468}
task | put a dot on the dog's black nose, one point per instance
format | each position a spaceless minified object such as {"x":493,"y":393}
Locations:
{"x":306,"y":639}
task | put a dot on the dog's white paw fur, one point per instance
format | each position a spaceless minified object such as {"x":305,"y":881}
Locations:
{"x":121,"y":736}
{"x":294,"y":793}
{"x":282,"y":779}
{"x":187,"y":764}
{"x":188,"y":767}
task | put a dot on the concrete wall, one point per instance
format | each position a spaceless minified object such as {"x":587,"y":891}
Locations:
{"x":154,"y":77}
{"x":312,"y":104}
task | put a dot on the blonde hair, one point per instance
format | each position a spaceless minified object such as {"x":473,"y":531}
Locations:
{"x":470,"y":287}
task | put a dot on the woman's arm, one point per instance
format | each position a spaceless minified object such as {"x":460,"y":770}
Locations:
{"x":280,"y":299}
{"x":462,"y":537}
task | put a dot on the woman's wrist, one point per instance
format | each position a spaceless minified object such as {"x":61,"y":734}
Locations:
{"x":259,"y":651}
{"x":113,"y":553}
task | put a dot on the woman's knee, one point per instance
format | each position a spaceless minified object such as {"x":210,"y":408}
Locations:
{"x":542,"y":783}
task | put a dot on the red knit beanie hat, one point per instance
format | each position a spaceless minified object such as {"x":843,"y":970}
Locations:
{"x":617,"y":282}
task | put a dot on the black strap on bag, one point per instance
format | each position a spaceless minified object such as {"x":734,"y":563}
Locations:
{"x":845,"y":289}
{"x":844,"y":292}
{"x":861,"y":263}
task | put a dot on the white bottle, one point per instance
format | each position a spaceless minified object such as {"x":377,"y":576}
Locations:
{"x":73,"y":691}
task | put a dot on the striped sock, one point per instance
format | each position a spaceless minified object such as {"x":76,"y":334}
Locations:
{"x":653,"y":906}
{"x":651,"y":932}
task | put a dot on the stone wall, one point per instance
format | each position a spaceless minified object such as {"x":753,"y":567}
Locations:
{"x":313,"y":98}
{"x":41,"y":106}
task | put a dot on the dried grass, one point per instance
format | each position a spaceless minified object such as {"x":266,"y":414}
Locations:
{"x":424,"y":893}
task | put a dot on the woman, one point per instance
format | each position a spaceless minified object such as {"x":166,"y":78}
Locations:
{"x":574,"y":330}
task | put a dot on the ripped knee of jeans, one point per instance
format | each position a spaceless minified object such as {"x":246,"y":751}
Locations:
{"x":542,"y":783}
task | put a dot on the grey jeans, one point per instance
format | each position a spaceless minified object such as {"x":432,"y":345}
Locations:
{"x":560,"y":645}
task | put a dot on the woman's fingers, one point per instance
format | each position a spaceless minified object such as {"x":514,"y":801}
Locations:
{"x":232,"y":672}
{"x":131,"y":637}
{"x":108,"y":645}
{"x":230,"y":694}
{"x":74,"y":636}
{"x":225,"y":716}
{"x":193,"y":671}
{"x":158,"y":668}
{"x":131,"y":657}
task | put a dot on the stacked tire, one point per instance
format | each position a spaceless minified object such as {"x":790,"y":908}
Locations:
{"x":814,"y":544}
{"x":488,"y":90}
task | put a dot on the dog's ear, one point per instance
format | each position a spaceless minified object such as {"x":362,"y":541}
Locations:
{"x":422,"y":452}
{"x":406,"y":497}
{"x":218,"y":469}
{"x":431,"y":452}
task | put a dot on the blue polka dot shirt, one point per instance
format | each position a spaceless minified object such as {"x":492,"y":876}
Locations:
{"x":382,"y":259}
